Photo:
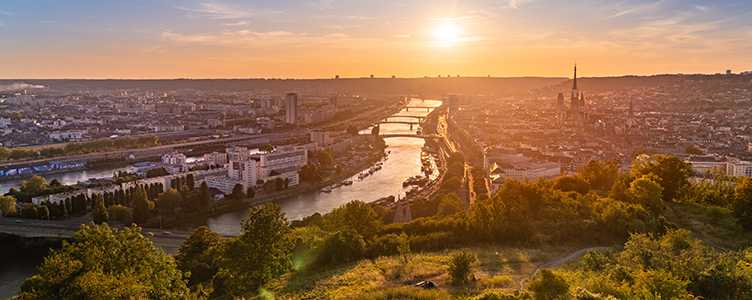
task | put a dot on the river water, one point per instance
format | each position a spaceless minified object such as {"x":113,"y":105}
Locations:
{"x":66,"y":178}
{"x":402,"y":162}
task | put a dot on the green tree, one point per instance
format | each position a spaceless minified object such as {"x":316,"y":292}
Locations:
{"x":190,"y":181}
{"x":742,"y":205}
{"x":100,"y":212}
{"x":325,"y":158}
{"x":28,"y":211}
{"x":237,"y":192}
{"x":354,"y":215}
{"x":261,"y":253}
{"x":600,"y":174}
{"x":140,"y":205}
{"x":43,"y":212}
{"x":169,"y":201}
{"x":7,"y":205}
{"x":572,"y":184}
{"x":203,"y":194}
{"x":266,"y":148}
{"x":103,"y":263}
{"x":549,"y":286}
{"x":646,"y":192}
{"x":341,"y":247}
{"x":689,"y":149}
{"x":157,"y":172}
{"x":197,"y":254}
{"x":34,"y":186}
{"x":450,"y":205}
{"x":452,"y":184}
{"x":461,"y":266}
{"x":121,"y":214}
{"x":671,"y":171}
{"x":456,"y":157}
{"x":352,"y":130}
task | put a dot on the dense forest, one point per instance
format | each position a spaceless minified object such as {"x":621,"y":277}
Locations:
{"x":666,"y":239}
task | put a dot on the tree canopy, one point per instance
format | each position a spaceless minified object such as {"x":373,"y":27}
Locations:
{"x":261,"y":253}
{"x":103,"y":263}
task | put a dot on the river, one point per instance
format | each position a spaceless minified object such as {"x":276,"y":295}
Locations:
{"x":402,"y":162}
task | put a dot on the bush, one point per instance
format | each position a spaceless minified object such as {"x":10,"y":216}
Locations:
{"x":460,"y":266}
{"x":549,"y":286}
{"x":341,"y":247}
{"x":715,"y":214}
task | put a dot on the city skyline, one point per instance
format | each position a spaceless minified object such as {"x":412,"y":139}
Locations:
{"x":322,"y":39}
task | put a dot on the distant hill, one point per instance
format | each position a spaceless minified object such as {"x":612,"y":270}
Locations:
{"x":423,"y":86}
{"x":396,"y":86}
{"x":603,"y":84}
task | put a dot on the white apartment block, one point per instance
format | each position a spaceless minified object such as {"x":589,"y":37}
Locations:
{"x":739,"y":168}
{"x":215,"y":158}
{"x":174,"y":158}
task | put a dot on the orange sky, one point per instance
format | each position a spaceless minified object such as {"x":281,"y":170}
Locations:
{"x":324,"y":38}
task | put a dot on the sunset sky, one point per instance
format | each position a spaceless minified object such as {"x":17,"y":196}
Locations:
{"x":355,"y":38}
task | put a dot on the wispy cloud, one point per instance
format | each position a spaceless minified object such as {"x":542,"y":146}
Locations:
{"x":402,"y":36}
{"x":226,"y":37}
{"x":453,"y":19}
{"x":323,"y":5}
{"x":222,"y":11}
{"x":157,"y":49}
{"x":639,"y":8}
{"x":458,"y":41}
{"x":341,"y":27}
{"x":240,"y":23}
{"x":6,"y":13}
{"x":516,"y":3}
{"x":2,"y":24}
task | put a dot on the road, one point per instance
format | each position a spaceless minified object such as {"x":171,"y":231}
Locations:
{"x":555,"y":263}
{"x":38,"y":228}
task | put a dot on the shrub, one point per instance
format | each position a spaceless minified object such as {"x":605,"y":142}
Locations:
{"x":460,"y":266}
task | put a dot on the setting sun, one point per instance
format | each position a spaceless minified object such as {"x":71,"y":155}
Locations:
{"x":447,"y":32}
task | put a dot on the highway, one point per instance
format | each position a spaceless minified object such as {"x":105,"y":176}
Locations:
{"x":36,"y":228}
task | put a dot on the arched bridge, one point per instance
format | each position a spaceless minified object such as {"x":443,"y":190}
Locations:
{"x":421,"y":136}
{"x":427,"y":108}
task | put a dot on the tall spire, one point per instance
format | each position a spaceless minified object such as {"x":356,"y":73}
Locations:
{"x":631,"y":108}
{"x":574,"y":85}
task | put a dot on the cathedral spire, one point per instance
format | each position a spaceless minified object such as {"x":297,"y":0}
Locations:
{"x":574,"y":85}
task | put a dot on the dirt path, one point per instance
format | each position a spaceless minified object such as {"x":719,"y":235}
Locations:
{"x":560,"y":261}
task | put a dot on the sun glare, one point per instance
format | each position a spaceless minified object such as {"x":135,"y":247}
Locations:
{"x":447,"y":32}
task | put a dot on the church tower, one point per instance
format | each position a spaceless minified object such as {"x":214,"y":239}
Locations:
{"x":561,"y":110}
{"x":631,"y":122}
{"x":574,"y":103}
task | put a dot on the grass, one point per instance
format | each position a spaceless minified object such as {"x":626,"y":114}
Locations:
{"x":498,"y":268}
{"x":716,"y":227}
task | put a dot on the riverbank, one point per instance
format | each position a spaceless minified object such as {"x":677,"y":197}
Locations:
{"x":308,"y":187}
{"x":266,"y":197}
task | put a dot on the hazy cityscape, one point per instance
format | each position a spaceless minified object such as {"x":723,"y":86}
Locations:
{"x":301,"y":151}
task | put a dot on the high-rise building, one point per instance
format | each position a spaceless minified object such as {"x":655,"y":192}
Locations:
{"x":291,"y":106}
{"x":321,"y":138}
{"x":453,"y":102}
